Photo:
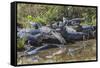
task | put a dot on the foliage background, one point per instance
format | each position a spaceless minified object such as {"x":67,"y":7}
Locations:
{"x":50,"y":13}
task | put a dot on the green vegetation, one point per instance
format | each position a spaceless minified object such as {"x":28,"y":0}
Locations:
{"x":20,"y":44}
{"x":48,"y":13}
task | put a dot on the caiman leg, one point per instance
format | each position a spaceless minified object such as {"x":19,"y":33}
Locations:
{"x":36,"y":50}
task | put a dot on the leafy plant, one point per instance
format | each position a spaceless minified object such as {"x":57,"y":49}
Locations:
{"x":20,"y":43}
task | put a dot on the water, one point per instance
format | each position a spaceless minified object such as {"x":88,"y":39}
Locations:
{"x":45,"y":56}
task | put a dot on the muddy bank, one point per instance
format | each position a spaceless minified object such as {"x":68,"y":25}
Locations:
{"x":45,"y":56}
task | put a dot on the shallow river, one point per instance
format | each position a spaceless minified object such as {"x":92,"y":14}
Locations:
{"x":74,"y":53}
